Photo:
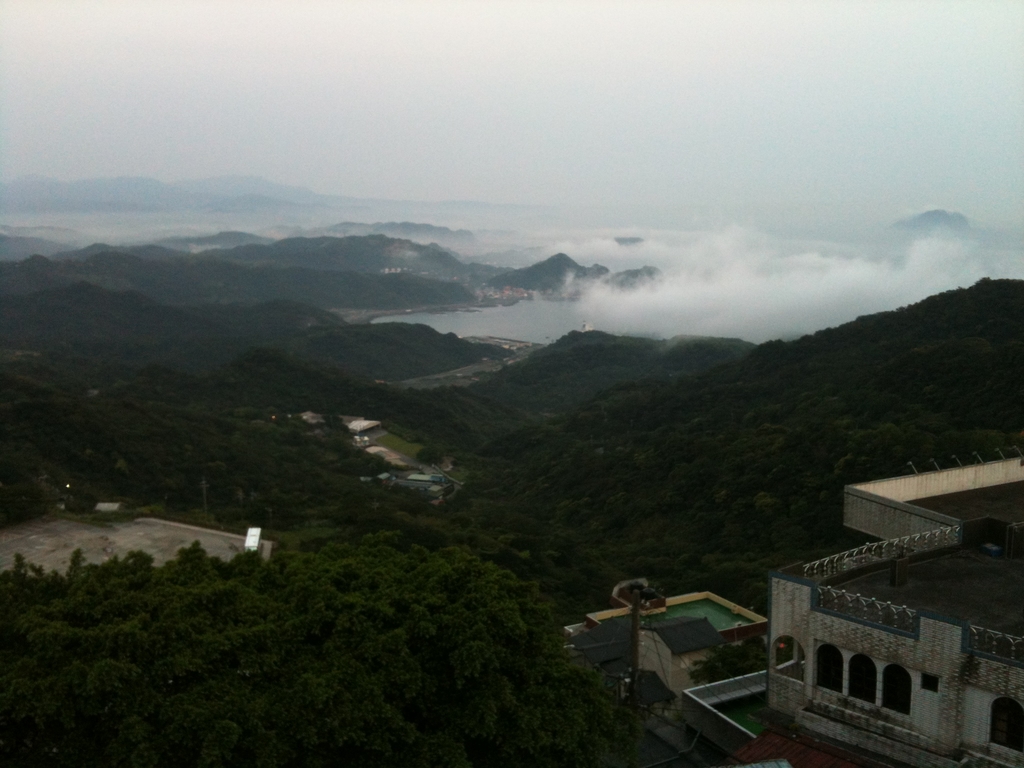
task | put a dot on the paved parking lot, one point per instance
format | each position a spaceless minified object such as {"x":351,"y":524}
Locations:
{"x":50,"y":542}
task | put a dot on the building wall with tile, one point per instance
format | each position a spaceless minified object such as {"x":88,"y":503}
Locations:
{"x":888,"y":519}
{"x":955,"y":717}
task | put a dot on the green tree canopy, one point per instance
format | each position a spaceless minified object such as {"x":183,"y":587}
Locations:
{"x":364,"y":655}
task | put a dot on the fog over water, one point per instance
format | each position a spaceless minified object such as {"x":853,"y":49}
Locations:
{"x":762,"y":148}
{"x":738,"y":283}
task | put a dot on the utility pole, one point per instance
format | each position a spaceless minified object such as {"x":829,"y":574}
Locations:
{"x":204,"y":485}
{"x":633,"y":697}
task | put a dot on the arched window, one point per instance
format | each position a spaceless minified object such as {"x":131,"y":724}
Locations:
{"x":1007,"y":724}
{"x":830,"y":668}
{"x":863,"y":678}
{"x":788,"y":657}
{"x":896,"y":688}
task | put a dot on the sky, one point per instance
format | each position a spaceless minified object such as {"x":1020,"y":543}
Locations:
{"x":800,"y":109}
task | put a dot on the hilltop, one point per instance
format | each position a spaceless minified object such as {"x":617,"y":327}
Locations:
{"x":551,"y":274}
{"x":573,"y":369}
{"x":126,"y":328}
{"x":228,"y":239}
{"x":199,"y":280}
{"x":707,"y":481}
{"x":938,"y":219}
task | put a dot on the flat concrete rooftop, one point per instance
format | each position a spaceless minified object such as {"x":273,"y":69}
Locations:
{"x":986,"y":591}
{"x":1002,"y":502}
{"x":50,"y":542}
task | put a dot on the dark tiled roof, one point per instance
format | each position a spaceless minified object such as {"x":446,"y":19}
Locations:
{"x":608,"y":640}
{"x":652,"y":751}
{"x":687,"y":633}
{"x":651,"y":689}
{"x":801,"y":751}
{"x":615,"y":667}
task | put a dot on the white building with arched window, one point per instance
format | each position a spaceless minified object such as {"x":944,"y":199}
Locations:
{"x":912,"y":648}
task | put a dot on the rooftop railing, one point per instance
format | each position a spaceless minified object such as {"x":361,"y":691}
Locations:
{"x":882,"y":550}
{"x":867,"y":608}
{"x":903,"y":618}
{"x":997,"y":643}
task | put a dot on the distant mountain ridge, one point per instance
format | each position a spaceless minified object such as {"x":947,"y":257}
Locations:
{"x":368,"y":254}
{"x":548,"y":275}
{"x":407,"y":230}
{"x":196,"y":280}
{"x":218,"y":195}
{"x":15,"y":248}
{"x":85,"y":321}
{"x":228,"y":239}
{"x":557,"y":273}
{"x":36,"y":194}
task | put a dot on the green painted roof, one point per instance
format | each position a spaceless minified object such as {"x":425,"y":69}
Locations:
{"x":740,"y":711}
{"x":720,"y":616}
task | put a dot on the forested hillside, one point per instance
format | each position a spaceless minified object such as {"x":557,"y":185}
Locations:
{"x":366,"y":253}
{"x":200,"y":280}
{"x":152,"y":438}
{"x":573,"y":369}
{"x":707,"y":481}
{"x":125,"y":329}
{"x":697,"y":481}
{"x":550,"y":274}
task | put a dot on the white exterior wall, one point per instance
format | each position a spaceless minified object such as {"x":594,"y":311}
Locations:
{"x":674,"y":669}
{"x":944,"y":481}
{"x":940,"y":723}
{"x":879,"y":508}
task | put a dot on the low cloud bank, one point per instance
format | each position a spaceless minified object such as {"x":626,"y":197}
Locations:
{"x":735,"y":283}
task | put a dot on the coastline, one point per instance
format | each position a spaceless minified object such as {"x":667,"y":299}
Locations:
{"x":363,"y":316}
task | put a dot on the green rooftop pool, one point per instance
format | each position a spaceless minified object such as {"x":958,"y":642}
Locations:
{"x":720,"y":616}
{"x":739,"y":712}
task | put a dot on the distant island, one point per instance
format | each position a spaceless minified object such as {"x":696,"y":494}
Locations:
{"x":629,"y":240}
{"x":938,"y":219}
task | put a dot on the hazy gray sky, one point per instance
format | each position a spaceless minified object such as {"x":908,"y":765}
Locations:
{"x":880,"y":106}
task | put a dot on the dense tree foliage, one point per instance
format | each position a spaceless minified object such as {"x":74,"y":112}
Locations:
{"x":208,"y":279}
{"x":707,"y":481}
{"x":727,"y":661}
{"x":551,"y":274}
{"x":359,"y":655}
{"x":570,"y":371}
{"x":85,"y":322}
{"x":152,"y":438}
{"x":697,"y":482}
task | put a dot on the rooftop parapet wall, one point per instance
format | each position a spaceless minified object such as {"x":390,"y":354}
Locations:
{"x":662,"y":605}
{"x":925,"y":484}
{"x":881,"y":507}
{"x":696,"y":706}
{"x":887,"y":519}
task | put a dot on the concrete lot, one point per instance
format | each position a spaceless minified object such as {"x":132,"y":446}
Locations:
{"x":50,"y":542}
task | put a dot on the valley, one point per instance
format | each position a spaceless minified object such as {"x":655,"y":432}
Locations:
{"x":141,"y":388}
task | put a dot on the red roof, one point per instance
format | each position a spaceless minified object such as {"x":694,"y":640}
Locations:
{"x":800,"y":750}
